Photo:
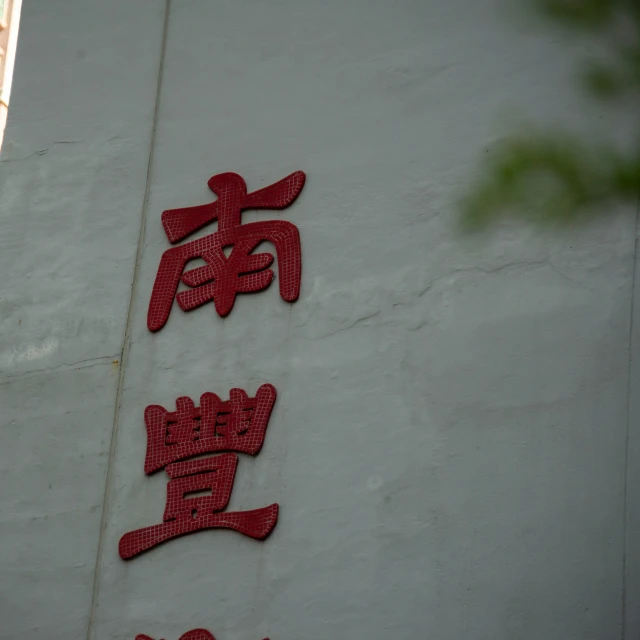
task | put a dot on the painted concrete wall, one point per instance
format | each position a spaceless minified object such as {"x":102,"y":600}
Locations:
{"x":449,"y":443}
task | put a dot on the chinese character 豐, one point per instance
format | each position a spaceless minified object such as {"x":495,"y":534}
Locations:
{"x":239,"y":425}
{"x":223,"y":277}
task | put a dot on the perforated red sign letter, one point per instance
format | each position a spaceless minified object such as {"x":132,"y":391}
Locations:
{"x":222,"y":278}
{"x":236,"y":425}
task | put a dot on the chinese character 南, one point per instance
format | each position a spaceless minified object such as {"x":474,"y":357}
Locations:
{"x":222,"y":278}
{"x":196,"y":634}
{"x":235,"y":425}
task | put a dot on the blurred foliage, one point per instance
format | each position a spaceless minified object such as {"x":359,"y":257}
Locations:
{"x":553,"y":177}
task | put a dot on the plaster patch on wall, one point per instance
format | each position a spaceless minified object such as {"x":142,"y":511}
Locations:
{"x":29,"y":352}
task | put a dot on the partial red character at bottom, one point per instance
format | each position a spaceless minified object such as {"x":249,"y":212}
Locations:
{"x":196,"y":634}
{"x":185,"y":514}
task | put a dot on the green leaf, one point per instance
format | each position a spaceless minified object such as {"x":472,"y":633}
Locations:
{"x":588,"y":14}
{"x":602,"y":81}
{"x":548,"y":178}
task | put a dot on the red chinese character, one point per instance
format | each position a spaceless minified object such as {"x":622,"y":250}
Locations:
{"x":238,"y":424}
{"x":242,"y":272}
{"x":196,"y":634}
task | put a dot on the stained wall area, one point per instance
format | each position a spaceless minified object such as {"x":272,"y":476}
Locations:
{"x":454,"y":444}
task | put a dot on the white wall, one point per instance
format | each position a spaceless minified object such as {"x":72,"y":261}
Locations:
{"x":72,"y":183}
{"x":448,"y":443}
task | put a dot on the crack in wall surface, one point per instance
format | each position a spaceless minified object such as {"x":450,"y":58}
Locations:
{"x":39,"y":152}
{"x":65,"y":366}
{"x":625,"y":573}
{"x":411,"y":297}
{"x":126,"y":342}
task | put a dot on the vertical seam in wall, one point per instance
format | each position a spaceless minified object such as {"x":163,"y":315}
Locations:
{"x":628,"y":426}
{"x":127,"y":331}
